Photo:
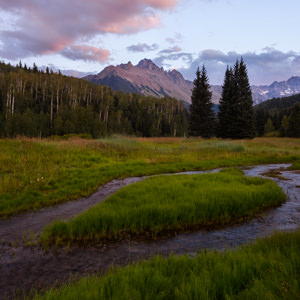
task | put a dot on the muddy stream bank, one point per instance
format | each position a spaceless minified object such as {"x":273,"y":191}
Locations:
{"x":23,"y":268}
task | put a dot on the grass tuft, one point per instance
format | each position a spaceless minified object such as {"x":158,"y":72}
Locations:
{"x":164,"y":204}
{"x":268,"y":269}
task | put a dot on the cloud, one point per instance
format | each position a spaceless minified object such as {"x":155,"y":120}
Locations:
{"x":42,"y":27}
{"x":176,"y":39}
{"x":86,"y":53}
{"x":142,"y":47}
{"x":263,"y":68}
{"x":162,"y":59}
{"x":170,"y":50}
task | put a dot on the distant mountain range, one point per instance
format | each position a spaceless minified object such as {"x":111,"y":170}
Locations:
{"x":276,"y":90}
{"x":148,"y":79}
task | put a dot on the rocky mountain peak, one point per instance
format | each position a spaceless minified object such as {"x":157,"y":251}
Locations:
{"x":147,"y":64}
{"x":294,"y":80}
{"x":127,"y":66}
{"x":176,"y":76}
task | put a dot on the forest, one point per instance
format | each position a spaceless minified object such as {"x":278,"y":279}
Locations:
{"x":278,"y":116}
{"x":38,"y":103}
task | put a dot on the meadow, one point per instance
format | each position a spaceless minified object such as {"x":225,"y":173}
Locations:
{"x":36,"y":173}
{"x":268,"y":269}
{"x":168,"y":204}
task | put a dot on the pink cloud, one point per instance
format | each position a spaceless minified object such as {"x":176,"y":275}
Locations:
{"x":86,"y":53}
{"x":51,"y":26}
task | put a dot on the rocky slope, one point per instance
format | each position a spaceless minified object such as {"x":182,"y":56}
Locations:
{"x":148,"y":79}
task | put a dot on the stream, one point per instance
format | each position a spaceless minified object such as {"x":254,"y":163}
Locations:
{"x":23,"y":268}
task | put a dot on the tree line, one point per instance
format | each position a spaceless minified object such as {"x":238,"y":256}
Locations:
{"x":37,"y":103}
{"x":278,"y":117}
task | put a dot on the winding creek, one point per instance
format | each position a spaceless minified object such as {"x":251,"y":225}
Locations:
{"x":24,"y":268}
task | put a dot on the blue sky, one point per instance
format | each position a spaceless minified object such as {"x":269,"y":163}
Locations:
{"x":87,"y":36}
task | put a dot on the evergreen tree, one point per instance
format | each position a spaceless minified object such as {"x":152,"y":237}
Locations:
{"x":226,"y":113}
{"x":245,"y":115}
{"x":293,"y":129}
{"x":236,"y":115}
{"x":202,"y":119}
{"x":35,"y":68}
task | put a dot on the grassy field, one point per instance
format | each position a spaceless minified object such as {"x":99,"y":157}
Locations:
{"x":165,"y":204}
{"x":37,"y":173}
{"x":270,"y":269}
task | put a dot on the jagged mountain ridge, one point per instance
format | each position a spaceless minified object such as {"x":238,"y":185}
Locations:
{"x":276,"y":90}
{"x":148,"y":79}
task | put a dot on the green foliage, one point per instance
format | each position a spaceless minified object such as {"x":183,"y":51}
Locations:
{"x":268,"y":269}
{"x":293,"y":129}
{"x":226,"y":111}
{"x":37,"y":173}
{"x":278,"y":110}
{"x":236,"y":119}
{"x":202,"y":121}
{"x":167,"y":203}
{"x":38,"y":104}
{"x":284,"y":126}
{"x":269,"y":127}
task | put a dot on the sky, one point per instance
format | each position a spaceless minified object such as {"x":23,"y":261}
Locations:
{"x":84,"y":36}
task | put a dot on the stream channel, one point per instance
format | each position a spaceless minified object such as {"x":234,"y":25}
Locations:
{"x":24,"y":267}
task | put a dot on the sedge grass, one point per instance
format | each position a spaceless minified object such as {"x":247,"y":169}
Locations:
{"x":36,"y":173}
{"x":167,"y":203}
{"x":268,"y":269}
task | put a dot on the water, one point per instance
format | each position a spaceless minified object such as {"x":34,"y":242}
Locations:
{"x":26,"y":268}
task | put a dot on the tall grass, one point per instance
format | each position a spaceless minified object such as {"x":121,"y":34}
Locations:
{"x":168,"y":203}
{"x":269,"y":269}
{"x":36,"y":173}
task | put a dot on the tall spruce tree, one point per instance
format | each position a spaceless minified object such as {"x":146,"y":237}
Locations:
{"x":236,"y":115}
{"x":245,"y":115}
{"x":226,"y":107}
{"x":202,"y":118}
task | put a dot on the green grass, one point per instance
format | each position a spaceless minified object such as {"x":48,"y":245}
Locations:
{"x":36,"y":173}
{"x":166,"y":203}
{"x":269,"y":269}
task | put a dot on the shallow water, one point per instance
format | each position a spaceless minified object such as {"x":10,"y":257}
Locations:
{"x":26,"y":268}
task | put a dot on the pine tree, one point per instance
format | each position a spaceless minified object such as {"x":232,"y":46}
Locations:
{"x":202,"y":119}
{"x":245,"y":114}
{"x":236,"y":115}
{"x":226,"y":113}
{"x":35,"y":68}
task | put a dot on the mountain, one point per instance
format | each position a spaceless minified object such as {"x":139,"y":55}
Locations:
{"x":148,"y":79}
{"x":276,"y":90}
